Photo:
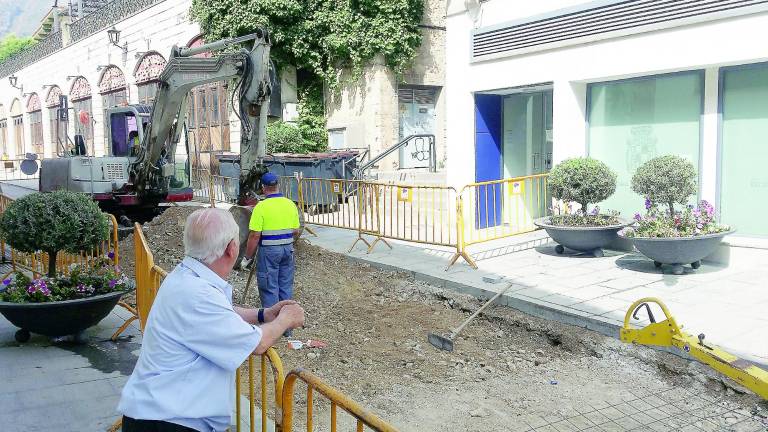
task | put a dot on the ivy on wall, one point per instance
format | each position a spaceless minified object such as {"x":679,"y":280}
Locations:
{"x":12,"y":44}
{"x":321,"y":36}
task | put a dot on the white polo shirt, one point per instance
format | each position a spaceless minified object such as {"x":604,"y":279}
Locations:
{"x":192,"y":345}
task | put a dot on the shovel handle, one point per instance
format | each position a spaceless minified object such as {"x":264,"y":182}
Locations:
{"x":477,"y":312}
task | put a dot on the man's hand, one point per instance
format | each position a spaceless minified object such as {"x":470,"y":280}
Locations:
{"x":292,"y":315}
{"x":272,"y":312}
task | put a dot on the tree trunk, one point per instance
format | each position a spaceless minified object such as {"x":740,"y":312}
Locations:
{"x":671,"y":205}
{"x":52,"y":263}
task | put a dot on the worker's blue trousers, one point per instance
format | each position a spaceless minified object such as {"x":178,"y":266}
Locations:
{"x":275,"y":274}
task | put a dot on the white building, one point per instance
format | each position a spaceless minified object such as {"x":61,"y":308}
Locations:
{"x":75,"y":58}
{"x":534,"y":82}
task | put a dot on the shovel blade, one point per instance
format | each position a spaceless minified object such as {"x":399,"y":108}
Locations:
{"x":440,"y":342}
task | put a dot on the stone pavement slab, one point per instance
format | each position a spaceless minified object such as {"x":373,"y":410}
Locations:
{"x":727,"y":303}
{"x":60,"y":386}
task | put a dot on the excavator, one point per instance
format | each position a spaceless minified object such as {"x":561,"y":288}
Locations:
{"x":140,"y":170}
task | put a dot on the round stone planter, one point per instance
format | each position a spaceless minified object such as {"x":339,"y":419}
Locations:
{"x":678,"y":251}
{"x":69,"y":317}
{"x":583,"y":239}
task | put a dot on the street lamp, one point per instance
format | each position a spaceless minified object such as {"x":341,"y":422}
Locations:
{"x":13,"y":79}
{"x":114,"y":39}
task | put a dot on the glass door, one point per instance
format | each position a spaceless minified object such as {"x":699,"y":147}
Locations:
{"x":526,"y":151}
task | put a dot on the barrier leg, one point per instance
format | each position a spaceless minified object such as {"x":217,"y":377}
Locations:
{"x":123,"y":327}
{"x":378,"y":239}
{"x":359,"y":238}
{"x":462,"y":254}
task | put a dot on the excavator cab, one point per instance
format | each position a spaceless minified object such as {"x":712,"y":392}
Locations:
{"x":125,"y":129}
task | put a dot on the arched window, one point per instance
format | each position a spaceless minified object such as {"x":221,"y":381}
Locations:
{"x":3,"y":131}
{"x":17,"y":117}
{"x":52,"y":105}
{"x":34,"y":110}
{"x":147,"y":73}
{"x":80,"y":96}
{"x":112,"y":87}
{"x":208,"y":119}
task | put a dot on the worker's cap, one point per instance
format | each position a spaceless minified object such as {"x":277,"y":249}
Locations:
{"x":269,"y":179}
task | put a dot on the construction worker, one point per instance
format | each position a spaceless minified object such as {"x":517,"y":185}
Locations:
{"x":274,"y":226}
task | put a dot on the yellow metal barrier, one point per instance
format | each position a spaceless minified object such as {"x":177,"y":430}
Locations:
{"x":667,"y":333}
{"x":494,"y":210}
{"x":248,"y":373}
{"x":335,"y":203}
{"x":337,"y":399}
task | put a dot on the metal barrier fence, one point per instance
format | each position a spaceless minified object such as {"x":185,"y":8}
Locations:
{"x":246,"y":374}
{"x":212,"y":188}
{"x":362,"y":416}
{"x":498,"y":209}
{"x":426,"y":214}
{"x":10,"y":169}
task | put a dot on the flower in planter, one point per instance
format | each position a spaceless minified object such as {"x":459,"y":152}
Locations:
{"x":584,"y":181}
{"x":82,"y":282}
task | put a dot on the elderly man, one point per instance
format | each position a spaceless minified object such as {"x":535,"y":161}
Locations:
{"x":273,"y":228}
{"x":195,"y":338}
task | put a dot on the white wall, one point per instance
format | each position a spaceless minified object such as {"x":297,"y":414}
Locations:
{"x":699,"y":46}
{"x":157,"y":28}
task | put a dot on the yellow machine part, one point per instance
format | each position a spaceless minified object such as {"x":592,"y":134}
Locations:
{"x":667,"y":333}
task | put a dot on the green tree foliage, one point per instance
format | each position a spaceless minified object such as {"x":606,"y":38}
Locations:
{"x":52,"y":222}
{"x":12,"y":44}
{"x":582,"y":180}
{"x":666,"y":180}
{"x":288,"y":138}
{"x":321,"y":36}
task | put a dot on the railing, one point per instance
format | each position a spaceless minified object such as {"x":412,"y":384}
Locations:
{"x":432,"y":157}
{"x":10,"y":169}
{"x":362,"y":416}
{"x":425,"y":214}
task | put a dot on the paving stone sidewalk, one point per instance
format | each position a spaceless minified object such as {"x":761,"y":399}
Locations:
{"x":61,"y":386}
{"x":726,"y":303}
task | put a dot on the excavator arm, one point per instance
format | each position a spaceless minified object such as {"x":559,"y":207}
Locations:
{"x":154,"y":167}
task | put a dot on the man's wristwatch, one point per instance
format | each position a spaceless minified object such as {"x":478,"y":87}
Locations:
{"x":260,"y":316}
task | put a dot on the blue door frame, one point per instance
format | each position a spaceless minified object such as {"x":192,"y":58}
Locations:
{"x":488,"y":144}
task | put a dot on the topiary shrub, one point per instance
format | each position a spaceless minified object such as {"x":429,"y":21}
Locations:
{"x":667,"y":180}
{"x":53,"y":222}
{"x":582,"y":180}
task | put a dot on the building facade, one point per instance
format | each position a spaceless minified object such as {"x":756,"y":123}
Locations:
{"x":75,"y":58}
{"x":621,"y":81}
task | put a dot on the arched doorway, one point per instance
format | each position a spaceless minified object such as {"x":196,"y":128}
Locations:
{"x":52,"y":101}
{"x":114,"y":92}
{"x":80,"y":95}
{"x":147,"y":73}
{"x":17,"y":117}
{"x":208,"y":120}
{"x":35,"y":113}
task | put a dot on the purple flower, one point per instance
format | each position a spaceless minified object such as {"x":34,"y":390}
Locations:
{"x":80,"y":288}
{"x":111,"y":255}
{"x":595,"y":211}
{"x":638,"y":217}
{"x":31,"y":289}
{"x":6,"y":281}
{"x":648,"y":204}
{"x":112,"y":283}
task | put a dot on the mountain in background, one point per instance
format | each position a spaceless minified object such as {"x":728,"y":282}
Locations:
{"x":22,"y":17}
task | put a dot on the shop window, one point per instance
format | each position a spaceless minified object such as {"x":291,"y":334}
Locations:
{"x":744,"y":129}
{"x":635,"y":120}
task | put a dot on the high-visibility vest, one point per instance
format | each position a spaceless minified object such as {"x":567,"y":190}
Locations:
{"x":275,"y":218}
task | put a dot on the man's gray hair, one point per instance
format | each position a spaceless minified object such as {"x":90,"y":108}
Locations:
{"x":208,"y":232}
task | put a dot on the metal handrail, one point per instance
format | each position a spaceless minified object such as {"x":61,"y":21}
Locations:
{"x":432,"y":157}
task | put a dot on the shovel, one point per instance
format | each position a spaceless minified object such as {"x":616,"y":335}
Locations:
{"x":445,"y":343}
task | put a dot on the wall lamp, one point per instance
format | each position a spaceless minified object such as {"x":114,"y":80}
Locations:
{"x":70,"y":77}
{"x":45,"y":86}
{"x":100,"y":67}
{"x":139,"y":54}
{"x":114,"y":39}
{"x":13,"y":80}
